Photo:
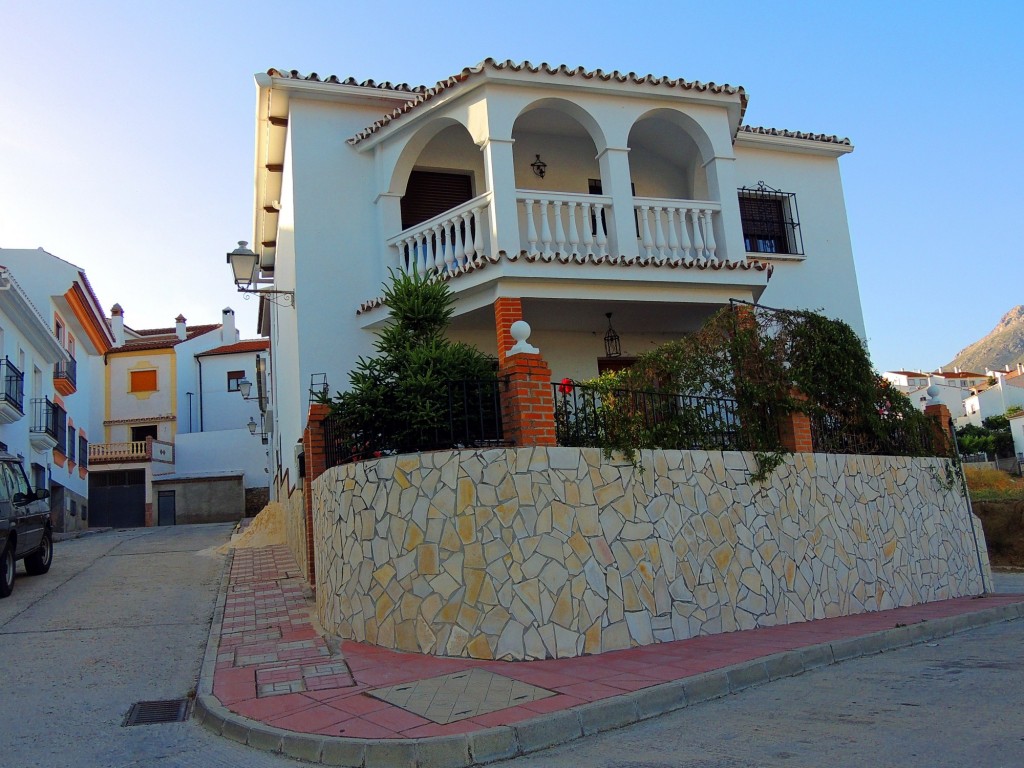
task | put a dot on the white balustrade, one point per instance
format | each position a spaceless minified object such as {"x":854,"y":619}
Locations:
{"x":449,"y":242}
{"x":564,"y":226}
{"x":676,"y":231}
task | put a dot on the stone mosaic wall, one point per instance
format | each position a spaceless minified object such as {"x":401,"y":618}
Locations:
{"x":552,"y":552}
{"x":294,"y":524}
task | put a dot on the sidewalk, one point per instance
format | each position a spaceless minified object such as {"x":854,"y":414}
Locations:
{"x":271,"y":681}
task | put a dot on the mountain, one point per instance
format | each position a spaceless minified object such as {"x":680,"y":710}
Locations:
{"x":1004,"y":345}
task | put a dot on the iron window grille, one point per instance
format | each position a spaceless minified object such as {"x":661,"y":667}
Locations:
{"x":83,"y":457}
{"x":14,"y":384}
{"x":71,"y":443}
{"x":771,"y":222}
{"x":67,"y":370}
{"x":60,"y":417}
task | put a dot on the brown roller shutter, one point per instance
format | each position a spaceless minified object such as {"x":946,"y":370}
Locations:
{"x":430,"y":193}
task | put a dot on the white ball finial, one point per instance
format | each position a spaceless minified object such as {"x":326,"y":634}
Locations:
{"x":520,"y":331}
{"x":933,"y":394}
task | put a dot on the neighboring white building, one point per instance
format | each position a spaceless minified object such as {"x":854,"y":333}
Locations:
{"x":580,"y":193}
{"x":176,"y":445}
{"x":993,"y":400}
{"x":1017,"y":431}
{"x":60,"y":375}
{"x":953,"y":387}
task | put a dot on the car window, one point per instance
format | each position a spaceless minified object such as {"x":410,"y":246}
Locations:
{"x":5,"y":483}
{"x":15,"y":480}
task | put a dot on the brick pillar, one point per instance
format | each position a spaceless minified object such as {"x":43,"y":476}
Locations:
{"x":313,"y":445}
{"x":943,"y":424}
{"x":506,"y":312}
{"x":795,"y":429}
{"x":528,"y":404}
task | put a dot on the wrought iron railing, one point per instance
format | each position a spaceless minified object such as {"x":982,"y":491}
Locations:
{"x":44,"y":417}
{"x":585,"y":417}
{"x":67,"y":370}
{"x":14,"y":384}
{"x":472,"y":420}
{"x":832,"y":433}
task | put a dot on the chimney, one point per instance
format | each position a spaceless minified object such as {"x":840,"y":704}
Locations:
{"x":179,"y":328}
{"x":228,"y":334}
{"x":117,"y":324}
{"x":1007,"y":368}
{"x":956,"y":369}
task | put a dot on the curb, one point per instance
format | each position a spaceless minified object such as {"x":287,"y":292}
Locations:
{"x":69,"y":535}
{"x":508,"y":741}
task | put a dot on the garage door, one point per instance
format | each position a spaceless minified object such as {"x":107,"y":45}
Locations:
{"x":117,"y":499}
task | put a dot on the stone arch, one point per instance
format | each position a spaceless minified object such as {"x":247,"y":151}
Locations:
{"x":668,"y":151}
{"x":566,"y":136}
{"x":428,"y":139}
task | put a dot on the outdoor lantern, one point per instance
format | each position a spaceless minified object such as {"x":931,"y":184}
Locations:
{"x":539,"y":167}
{"x":243,"y":264}
{"x":252,"y":425}
{"x":612,"y":344}
{"x":245,"y":387}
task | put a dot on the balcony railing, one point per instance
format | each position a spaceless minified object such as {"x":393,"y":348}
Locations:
{"x":676,"y":231}
{"x":131,"y":450}
{"x":564,"y":225}
{"x":12,"y":401}
{"x":65,"y":376}
{"x":446,"y":243}
{"x":46,"y":423}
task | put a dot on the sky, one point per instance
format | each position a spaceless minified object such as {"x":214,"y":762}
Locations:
{"x":127,"y":128}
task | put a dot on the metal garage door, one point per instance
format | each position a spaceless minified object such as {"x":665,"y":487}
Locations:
{"x":117,"y":499}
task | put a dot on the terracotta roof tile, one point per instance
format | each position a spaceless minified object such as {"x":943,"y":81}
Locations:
{"x":424,"y":94}
{"x":823,"y":137}
{"x":253,"y":345}
{"x":137,"y":344}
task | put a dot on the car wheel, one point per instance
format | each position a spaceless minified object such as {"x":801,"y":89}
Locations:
{"x":6,"y":570}
{"x":39,"y":561}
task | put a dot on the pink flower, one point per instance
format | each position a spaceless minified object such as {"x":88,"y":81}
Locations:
{"x":566,"y":386}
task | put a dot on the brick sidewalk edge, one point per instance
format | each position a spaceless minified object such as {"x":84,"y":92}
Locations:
{"x":507,"y":741}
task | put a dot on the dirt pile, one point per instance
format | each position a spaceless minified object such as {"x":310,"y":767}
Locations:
{"x":1003,"y":522}
{"x":266,"y":528}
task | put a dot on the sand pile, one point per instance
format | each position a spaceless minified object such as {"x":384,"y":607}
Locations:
{"x":265,"y":529}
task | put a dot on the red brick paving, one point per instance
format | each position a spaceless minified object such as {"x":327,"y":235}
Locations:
{"x":268,"y":638}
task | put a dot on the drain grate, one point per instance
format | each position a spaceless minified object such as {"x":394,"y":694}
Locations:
{"x":152,"y":712}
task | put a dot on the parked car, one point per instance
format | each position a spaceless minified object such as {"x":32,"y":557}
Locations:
{"x":25,"y":532}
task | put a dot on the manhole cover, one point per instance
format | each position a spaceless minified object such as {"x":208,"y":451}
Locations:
{"x":460,"y":695}
{"x":152,"y":712}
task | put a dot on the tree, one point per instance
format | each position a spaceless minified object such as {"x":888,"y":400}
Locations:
{"x":398,"y":400}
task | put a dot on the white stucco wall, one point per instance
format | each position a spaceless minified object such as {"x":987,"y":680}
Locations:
{"x":224,"y":451}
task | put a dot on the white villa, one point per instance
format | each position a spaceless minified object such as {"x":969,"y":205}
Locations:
{"x":579,"y":193}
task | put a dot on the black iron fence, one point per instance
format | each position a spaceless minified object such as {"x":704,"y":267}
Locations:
{"x":14,"y":384}
{"x":585,"y":417}
{"x":834,"y":433}
{"x":67,"y":370}
{"x":45,"y":418}
{"x":472,"y":420}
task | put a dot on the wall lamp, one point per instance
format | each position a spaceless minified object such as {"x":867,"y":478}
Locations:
{"x":539,"y":167}
{"x":244,"y":264}
{"x":252,"y":425}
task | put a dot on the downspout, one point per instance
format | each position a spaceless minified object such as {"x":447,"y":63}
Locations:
{"x":200,"y":361}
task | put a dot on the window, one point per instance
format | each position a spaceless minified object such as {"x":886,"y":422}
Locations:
{"x":38,"y":476}
{"x":140,"y":433}
{"x":60,"y":423}
{"x":83,"y":451}
{"x":233,"y":378}
{"x":142,"y":381}
{"x":430,"y":193}
{"x":71,"y":443}
{"x":770,"y":221}
{"x":58,"y":330}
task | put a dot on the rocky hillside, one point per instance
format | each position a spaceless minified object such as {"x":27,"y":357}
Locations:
{"x":1004,"y":345}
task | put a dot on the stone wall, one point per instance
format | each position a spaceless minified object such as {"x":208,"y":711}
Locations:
{"x":553,"y":552}
{"x":294,"y":510}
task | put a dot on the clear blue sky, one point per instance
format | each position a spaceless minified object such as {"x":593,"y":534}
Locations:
{"x":126,"y":128}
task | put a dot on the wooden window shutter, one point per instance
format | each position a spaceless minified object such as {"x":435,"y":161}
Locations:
{"x":431,"y":193}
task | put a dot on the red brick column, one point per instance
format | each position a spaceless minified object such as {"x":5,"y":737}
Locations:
{"x":528,"y":403}
{"x":314,"y":447}
{"x":943,"y":425}
{"x":506,"y":312}
{"x":795,"y":429}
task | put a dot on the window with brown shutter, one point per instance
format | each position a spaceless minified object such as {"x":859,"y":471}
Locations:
{"x":143,"y":381}
{"x":431,"y":193}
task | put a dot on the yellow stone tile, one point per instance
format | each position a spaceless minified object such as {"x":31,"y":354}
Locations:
{"x":579,"y":546}
{"x":383,"y":607}
{"x":474,"y":583}
{"x":592,"y":638}
{"x":405,"y":636}
{"x":467,"y":495}
{"x":426,"y":559}
{"x":479,"y":648}
{"x":466,"y":525}
{"x":889,"y":549}
{"x":401,"y":480}
{"x":450,"y":538}
{"x":384,"y":574}
{"x":562,"y":612}
{"x":630,"y":598}
{"x":474,"y":554}
{"x":449,"y":613}
{"x":468,"y":617}
{"x":413,"y":537}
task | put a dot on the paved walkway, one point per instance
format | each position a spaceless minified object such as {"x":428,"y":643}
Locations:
{"x":271,"y":666}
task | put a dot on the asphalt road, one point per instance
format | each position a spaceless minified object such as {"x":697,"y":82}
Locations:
{"x":124,"y":616}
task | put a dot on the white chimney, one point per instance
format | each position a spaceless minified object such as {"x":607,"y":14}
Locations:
{"x":117,"y":324}
{"x":179,"y":328}
{"x":228,"y":334}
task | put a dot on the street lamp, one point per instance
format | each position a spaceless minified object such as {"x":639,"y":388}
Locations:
{"x":244,"y":267}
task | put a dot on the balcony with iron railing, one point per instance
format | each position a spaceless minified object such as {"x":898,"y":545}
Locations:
{"x":12,"y":398}
{"x":45,"y":426}
{"x":65,"y":376}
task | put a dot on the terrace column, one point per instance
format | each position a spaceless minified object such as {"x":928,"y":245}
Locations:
{"x":389,"y":224}
{"x":503,"y":214}
{"x":943,"y":425}
{"x":722,"y":186}
{"x":617,"y":182}
{"x":314,"y":444}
